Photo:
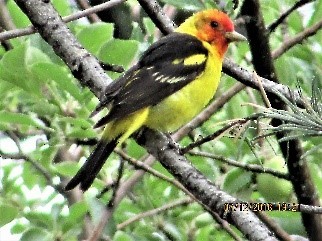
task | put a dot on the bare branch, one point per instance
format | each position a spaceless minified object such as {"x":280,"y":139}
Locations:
{"x":84,"y":4}
{"x":245,"y":166}
{"x":214,"y":135}
{"x":271,"y":28}
{"x":22,"y":156}
{"x":181,"y":202}
{"x":155,"y":12}
{"x":30,"y":30}
{"x":248,"y":79}
{"x":55,"y":32}
{"x":297,"y":39}
{"x":109,"y":208}
{"x":299,"y":171}
{"x":273,"y":225}
{"x":5,"y":19}
{"x":215,"y":199}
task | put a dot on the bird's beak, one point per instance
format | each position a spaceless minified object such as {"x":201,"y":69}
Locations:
{"x":234,"y":36}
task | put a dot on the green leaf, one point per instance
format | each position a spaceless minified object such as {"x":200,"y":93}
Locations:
{"x":283,"y":63}
{"x":78,"y":133}
{"x":43,"y":108}
{"x":34,"y":55}
{"x":77,"y":211}
{"x":93,"y":36}
{"x":316,"y":175}
{"x":18,"y":17}
{"x":37,"y":234}
{"x":18,"y":228}
{"x":134,"y":150}
{"x":78,"y":122}
{"x":62,"y":6}
{"x":295,"y":21}
{"x":15,"y":68}
{"x":289,"y":221}
{"x":205,"y":233}
{"x":190,"y":5}
{"x":61,"y":76}
{"x":203,"y":220}
{"x":30,"y":177}
{"x":122,"y":236}
{"x":12,"y":68}
{"x":66,"y":168}
{"x":118,"y":51}
{"x":137,"y":33}
{"x":236,"y":180}
{"x":39,"y":219}
{"x":7,"y":214}
{"x":21,"y":119}
{"x":149,"y":26}
{"x":317,"y":13}
{"x":5,"y":88}
{"x":95,"y":208}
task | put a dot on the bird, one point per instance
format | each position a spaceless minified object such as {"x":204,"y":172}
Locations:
{"x":173,"y":80}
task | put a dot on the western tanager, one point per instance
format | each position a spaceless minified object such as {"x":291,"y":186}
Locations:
{"x":172,"y":82}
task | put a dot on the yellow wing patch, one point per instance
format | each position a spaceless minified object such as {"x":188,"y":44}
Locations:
{"x":196,"y":59}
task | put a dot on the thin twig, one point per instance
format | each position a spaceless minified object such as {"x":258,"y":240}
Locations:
{"x":181,"y":202}
{"x":262,"y":90}
{"x":5,"y":43}
{"x":177,"y":184}
{"x":109,"y":208}
{"x":30,"y":30}
{"x":271,"y":28}
{"x":310,"y":209}
{"x":146,"y":168}
{"x":297,"y":39}
{"x":212,"y":136}
{"x":84,"y":4}
{"x":246,"y":166}
{"x":5,"y":18}
{"x":244,"y":76}
{"x":280,"y":233}
{"x":21,"y":155}
{"x":155,"y":12}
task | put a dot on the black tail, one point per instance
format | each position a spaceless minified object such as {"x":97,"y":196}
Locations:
{"x":86,"y":175}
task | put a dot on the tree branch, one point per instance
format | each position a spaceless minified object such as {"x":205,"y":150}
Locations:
{"x":181,"y":202}
{"x":155,"y":12}
{"x":297,"y":39}
{"x":65,"y":45}
{"x":298,"y":169}
{"x":5,"y":19}
{"x":54,"y":31}
{"x":168,"y":155}
{"x":84,"y":13}
{"x":84,"y":4}
{"x":248,"y":167}
{"x":271,"y":28}
{"x":40,"y":169}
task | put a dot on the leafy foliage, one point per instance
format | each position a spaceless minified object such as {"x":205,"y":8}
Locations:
{"x":44,"y":113}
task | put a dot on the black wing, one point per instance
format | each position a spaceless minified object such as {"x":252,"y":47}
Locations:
{"x":159,"y":73}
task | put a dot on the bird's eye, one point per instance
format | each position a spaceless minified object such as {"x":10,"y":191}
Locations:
{"x":214,"y":24}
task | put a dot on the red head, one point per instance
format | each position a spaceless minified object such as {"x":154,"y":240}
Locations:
{"x":212,"y":26}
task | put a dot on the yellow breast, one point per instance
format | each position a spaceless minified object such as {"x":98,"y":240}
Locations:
{"x":180,"y":107}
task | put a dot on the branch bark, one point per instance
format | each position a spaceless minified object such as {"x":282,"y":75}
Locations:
{"x":168,"y":154}
{"x":54,"y":31}
{"x":86,"y":68}
{"x":292,"y":150}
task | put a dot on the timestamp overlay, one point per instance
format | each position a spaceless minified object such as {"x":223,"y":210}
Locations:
{"x":261,"y":207}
